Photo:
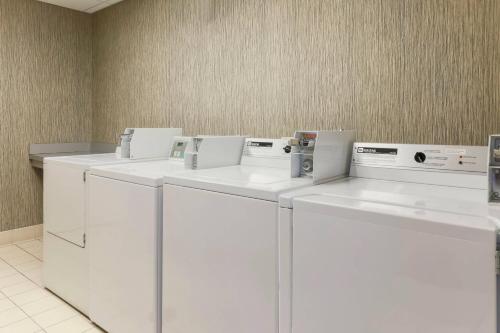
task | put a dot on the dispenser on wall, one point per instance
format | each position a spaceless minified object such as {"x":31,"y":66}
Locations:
{"x":322,"y":155}
{"x":494,"y":169}
{"x":214,"y":151}
{"x":143,"y":143}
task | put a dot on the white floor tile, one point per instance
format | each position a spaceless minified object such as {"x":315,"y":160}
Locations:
{"x":10,"y":251}
{"x":76,"y":324}
{"x":7,"y":249}
{"x":28,"y":266}
{"x":3,"y":264}
{"x":20,"y":259}
{"x":19,"y":288}
{"x":55,"y":316}
{"x":6,"y":304}
{"x":28,"y":243}
{"x":10,"y":316}
{"x":7,"y":270}
{"x":33,"y":246}
{"x":23,"y":234}
{"x":25,"y":306}
{"x":29,"y":296}
{"x":37,"y":253}
{"x":36,"y":276}
{"x":41,"y":305}
{"x":21,"y":242}
{"x":12,"y":280}
{"x":24,"y":326}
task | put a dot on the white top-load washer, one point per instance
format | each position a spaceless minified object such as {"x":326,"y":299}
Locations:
{"x":220,"y":232}
{"x":65,"y":268}
{"x":403,"y":245}
{"x":124,"y":233}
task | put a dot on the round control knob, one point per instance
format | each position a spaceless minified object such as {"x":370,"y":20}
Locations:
{"x":420,"y":157}
{"x":287,"y":149}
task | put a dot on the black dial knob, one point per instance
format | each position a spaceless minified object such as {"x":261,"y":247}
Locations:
{"x":287,"y":149}
{"x":420,"y":157}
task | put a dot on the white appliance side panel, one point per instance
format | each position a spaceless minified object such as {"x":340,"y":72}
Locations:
{"x":219,"y":263}
{"x":65,"y":271}
{"x":123,"y":241}
{"x":285,"y":269}
{"x":64,"y":202}
{"x":353,"y":275}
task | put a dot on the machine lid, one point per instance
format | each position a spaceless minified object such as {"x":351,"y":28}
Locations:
{"x":257,"y":182}
{"x":457,"y":200}
{"x":142,"y":173}
{"x":448,"y":224}
{"x":87,"y":160}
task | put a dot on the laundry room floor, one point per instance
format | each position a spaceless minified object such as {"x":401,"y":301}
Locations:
{"x":25,"y":306}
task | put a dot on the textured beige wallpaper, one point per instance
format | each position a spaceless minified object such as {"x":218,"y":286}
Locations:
{"x":45,"y":96}
{"x":424,"y":71}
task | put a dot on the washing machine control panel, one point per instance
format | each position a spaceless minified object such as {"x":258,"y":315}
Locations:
{"x":266,"y":152}
{"x":270,"y":148}
{"x":179,"y":147}
{"x":436,"y":157}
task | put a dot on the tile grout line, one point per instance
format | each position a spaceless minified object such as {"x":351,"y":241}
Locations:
{"x":15,"y":284}
{"x":76,"y":315}
{"x":64,"y":302}
{"x":23,"y":249}
{"x":17,"y":321}
{"x":14,"y":267}
{"x":42,"y":329}
{"x":17,"y":306}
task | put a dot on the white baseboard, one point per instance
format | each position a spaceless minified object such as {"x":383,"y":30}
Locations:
{"x":17,"y":235}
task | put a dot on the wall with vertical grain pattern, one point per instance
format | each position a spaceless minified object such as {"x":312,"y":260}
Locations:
{"x":396,"y":70}
{"x":45,"y":96}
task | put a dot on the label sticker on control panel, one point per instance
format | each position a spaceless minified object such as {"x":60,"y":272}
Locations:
{"x":375,"y":150}
{"x":265,"y":144}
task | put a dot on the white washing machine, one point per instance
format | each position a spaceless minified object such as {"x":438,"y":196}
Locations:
{"x":403,"y":245}
{"x":220,"y":234}
{"x":65,"y":268}
{"x":125,"y":238}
